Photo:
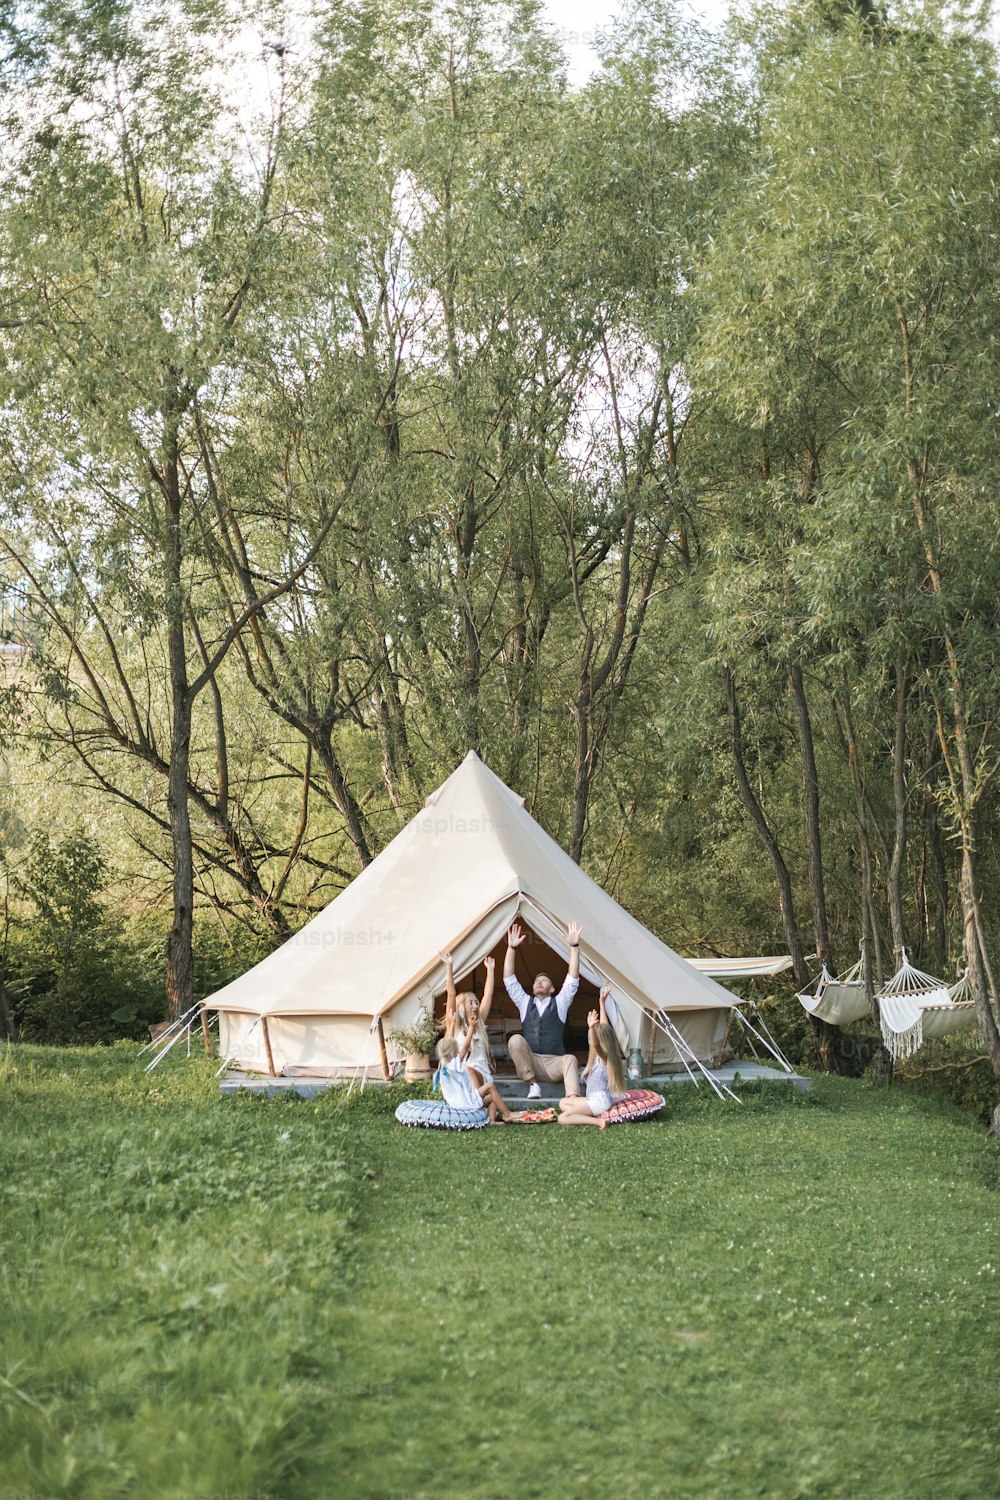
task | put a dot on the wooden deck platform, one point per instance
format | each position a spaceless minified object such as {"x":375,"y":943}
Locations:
{"x":733,"y":1074}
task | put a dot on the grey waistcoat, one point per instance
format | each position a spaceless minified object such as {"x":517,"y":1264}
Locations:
{"x":544,"y":1034}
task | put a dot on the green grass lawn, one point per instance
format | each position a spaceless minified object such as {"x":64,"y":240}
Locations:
{"x":300,"y":1300}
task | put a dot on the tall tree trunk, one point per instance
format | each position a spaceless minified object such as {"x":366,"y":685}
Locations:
{"x":810,"y":788}
{"x":346,"y":803}
{"x":869,"y":930}
{"x":957,"y":753}
{"x":955,"y":749}
{"x":603,"y":683}
{"x":180,"y":954}
{"x":390,"y":769}
{"x":834,"y":1056}
{"x":895,"y":890}
{"x":8,"y":1026}
{"x":940,"y":868}
{"x":933,"y":883}
{"x":518,"y":667}
{"x":472,"y":656}
{"x":978,"y":959}
{"x":583,"y":770}
{"x":767,"y":838}
{"x":180,"y":951}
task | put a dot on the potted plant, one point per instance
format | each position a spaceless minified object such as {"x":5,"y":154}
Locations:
{"x":416,"y":1043}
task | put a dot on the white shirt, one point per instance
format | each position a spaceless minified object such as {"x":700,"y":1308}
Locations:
{"x":522,"y":999}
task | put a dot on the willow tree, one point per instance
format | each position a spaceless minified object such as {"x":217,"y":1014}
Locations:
{"x":924,"y":218}
{"x":142,"y":241}
{"x":415,"y":184}
{"x":462,"y":249}
{"x":876,"y":206}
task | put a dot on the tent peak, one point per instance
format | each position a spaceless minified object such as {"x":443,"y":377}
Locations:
{"x":473,"y":764}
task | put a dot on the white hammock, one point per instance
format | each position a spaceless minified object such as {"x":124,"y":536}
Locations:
{"x":838,"y":1001}
{"x":915,"y":1007}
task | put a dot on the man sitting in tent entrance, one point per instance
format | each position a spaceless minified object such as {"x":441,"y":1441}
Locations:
{"x":540,"y":1052}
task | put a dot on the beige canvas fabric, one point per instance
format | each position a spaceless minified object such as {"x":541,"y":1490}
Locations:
{"x":703,"y":1033}
{"x":743,"y":968}
{"x":838,"y":1001}
{"x":466,"y":866}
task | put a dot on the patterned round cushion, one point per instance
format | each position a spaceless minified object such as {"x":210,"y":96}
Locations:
{"x":434,"y":1114}
{"x":636,"y":1105}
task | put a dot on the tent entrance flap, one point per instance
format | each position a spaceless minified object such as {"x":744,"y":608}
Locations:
{"x":467,"y":952}
{"x":533,"y":957}
{"x":702,"y":1032}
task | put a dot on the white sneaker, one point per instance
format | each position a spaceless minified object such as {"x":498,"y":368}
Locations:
{"x":534,"y":1092}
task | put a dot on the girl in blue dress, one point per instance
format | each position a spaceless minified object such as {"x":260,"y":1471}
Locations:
{"x":462,"y":1086}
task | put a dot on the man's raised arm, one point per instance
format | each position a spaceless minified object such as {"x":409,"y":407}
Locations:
{"x":573,"y":932}
{"x":571,"y":983}
{"x":511,"y":983}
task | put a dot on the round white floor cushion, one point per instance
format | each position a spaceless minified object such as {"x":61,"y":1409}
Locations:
{"x":434,"y":1114}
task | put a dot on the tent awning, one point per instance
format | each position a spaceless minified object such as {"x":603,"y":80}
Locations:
{"x":742,"y":968}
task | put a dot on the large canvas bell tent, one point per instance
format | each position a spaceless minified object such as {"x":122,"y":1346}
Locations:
{"x":470,"y":863}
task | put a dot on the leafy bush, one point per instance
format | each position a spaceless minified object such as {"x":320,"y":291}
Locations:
{"x":78,"y":972}
{"x":70,"y":975}
{"x":957,"y":1070}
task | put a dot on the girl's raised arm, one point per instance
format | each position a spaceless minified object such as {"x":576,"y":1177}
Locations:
{"x":487,"y":1000}
{"x":592,"y":1020}
{"x":603,"y":1003}
{"x":449,"y":979}
{"x":467,"y":1043}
